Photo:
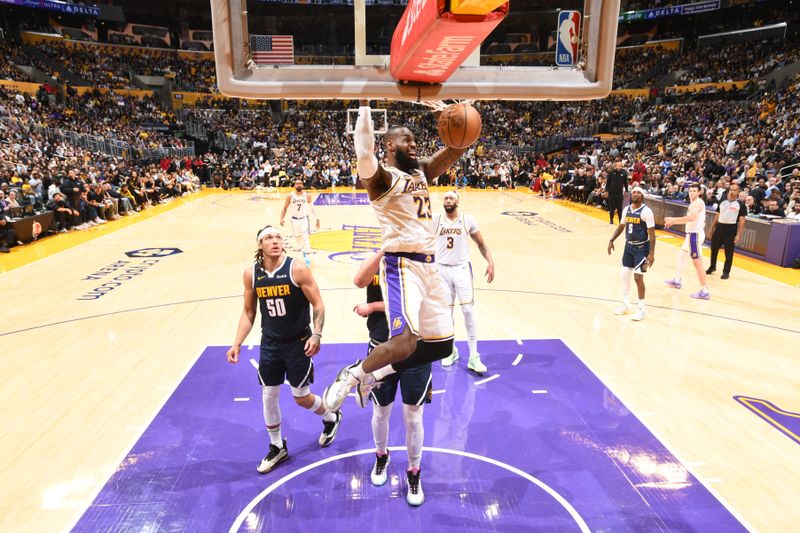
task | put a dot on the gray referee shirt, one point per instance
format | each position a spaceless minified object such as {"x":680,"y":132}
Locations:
{"x":729,"y":212}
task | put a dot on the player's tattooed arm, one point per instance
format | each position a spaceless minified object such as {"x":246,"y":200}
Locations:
{"x":319,"y":320}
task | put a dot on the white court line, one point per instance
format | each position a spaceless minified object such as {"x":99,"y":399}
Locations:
{"x":539,"y":391}
{"x":241,"y":399}
{"x":486,"y":380}
{"x":253,"y":362}
{"x":519,"y":341}
{"x":579,"y":521}
{"x":250,"y":347}
{"x":102,"y":479}
{"x":439,"y":391}
{"x":517,"y":360}
{"x":688,"y":466}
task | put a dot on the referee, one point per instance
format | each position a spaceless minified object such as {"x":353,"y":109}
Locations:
{"x":616,"y":185}
{"x":726,"y":228}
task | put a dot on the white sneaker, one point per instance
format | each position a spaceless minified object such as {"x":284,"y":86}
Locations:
{"x":639,"y":315}
{"x":335,"y":394}
{"x":274,"y":457}
{"x":621,"y":310}
{"x":451,"y":359}
{"x":415,"y":497}
{"x":476,"y":365}
{"x":379,"y":475}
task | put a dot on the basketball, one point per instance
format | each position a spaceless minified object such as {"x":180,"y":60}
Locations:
{"x":459,"y":125}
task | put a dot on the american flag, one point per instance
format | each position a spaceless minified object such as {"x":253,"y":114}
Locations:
{"x":272,"y":49}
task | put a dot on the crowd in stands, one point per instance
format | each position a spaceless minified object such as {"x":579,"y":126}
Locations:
{"x":632,"y":63}
{"x":734,"y":62}
{"x":677,"y":142}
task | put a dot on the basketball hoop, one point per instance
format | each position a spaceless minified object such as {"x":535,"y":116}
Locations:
{"x":352,"y":116}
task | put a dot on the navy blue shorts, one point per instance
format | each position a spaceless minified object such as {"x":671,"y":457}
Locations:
{"x":285,"y":361}
{"x":415,"y":386}
{"x":635,"y":257}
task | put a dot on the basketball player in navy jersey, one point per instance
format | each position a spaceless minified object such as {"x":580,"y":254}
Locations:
{"x":417,"y":303}
{"x":639,"y":224}
{"x":286,"y":292}
{"x":415,"y":388}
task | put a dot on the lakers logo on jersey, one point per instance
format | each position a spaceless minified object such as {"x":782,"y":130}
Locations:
{"x":397,"y":323}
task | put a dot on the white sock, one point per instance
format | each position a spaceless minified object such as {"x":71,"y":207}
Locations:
{"x":642,"y":305}
{"x":415,"y":433}
{"x":472,"y":328}
{"x":383,"y":372}
{"x":272,"y":413}
{"x":380,"y":426}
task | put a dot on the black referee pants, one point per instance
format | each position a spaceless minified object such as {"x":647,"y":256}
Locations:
{"x":723,"y":237}
{"x":614,"y":204}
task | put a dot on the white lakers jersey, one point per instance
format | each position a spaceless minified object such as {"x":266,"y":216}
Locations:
{"x":404,"y":212}
{"x":700,"y":223}
{"x":299,"y":205}
{"x":452,"y":238}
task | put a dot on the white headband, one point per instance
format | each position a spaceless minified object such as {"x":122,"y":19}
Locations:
{"x":454,"y":194}
{"x":637,"y":188}
{"x":269,"y":230}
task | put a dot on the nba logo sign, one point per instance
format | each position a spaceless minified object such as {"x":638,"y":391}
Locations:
{"x":567,"y":38}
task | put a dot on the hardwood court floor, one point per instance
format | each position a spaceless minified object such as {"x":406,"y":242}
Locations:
{"x":96,"y":336}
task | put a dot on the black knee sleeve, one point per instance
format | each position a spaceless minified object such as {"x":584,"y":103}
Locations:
{"x":426,"y":352}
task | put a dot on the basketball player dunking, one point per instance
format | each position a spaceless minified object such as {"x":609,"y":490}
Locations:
{"x":417,"y":304}
{"x":301,"y":208}
{"x":452,"y":254}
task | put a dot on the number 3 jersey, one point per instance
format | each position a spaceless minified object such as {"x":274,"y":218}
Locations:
{"x":285,"y":310}
{"x":404,"y":212}
{"x":452,"y":238}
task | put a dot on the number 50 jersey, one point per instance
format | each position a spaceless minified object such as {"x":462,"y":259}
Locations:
{"x":285,"y":310}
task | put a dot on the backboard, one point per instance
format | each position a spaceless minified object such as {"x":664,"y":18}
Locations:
{"x":341,"y":51}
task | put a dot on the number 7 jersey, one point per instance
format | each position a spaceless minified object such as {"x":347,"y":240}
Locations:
{"x":404,"y":212}
{"x":285,"y":310}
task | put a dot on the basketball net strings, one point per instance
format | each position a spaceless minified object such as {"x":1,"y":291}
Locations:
{"x":440,"y":105}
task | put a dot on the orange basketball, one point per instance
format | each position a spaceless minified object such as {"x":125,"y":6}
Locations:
{"x":459,"y":125}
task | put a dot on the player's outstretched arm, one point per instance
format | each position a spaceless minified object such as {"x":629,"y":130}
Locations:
{"x":438,"y":163}
{"x":247,"y":318}
{"x":285,"y":207}
{"x":375,"y":179}
{"x":695,"y":210}
{"x":305,"y":280}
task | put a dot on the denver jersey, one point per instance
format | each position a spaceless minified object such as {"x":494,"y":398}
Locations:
{"x":376,"y":322}
{"x":404,"y":212}
{"x":452,"y":238}
{"x":637,"y":222}
{"x":285,"y":310}
{"x":298,"y":207}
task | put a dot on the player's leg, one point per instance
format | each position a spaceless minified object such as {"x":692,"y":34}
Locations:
{"x":271,"y":372}
{"x":466,"y":297}
{"x":639,"y":268}
{"x":683,"y":256}
{"x":446,"y":273}
{"x":625,"y":279}
{"x":417,"y":390}
{"x":695,"y":252}
{"x":300,"y":375}
{"x":403,"y":293}
{"x":382,"y":398}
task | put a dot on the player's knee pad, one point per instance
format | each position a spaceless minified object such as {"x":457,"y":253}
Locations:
{"x":270,"y":394}
{"x":301,"y":392}
{"x":412,"y":415}
{"x":381,"y":413}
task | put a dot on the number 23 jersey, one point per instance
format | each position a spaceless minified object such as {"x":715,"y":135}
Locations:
{"x":404,"y":212}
